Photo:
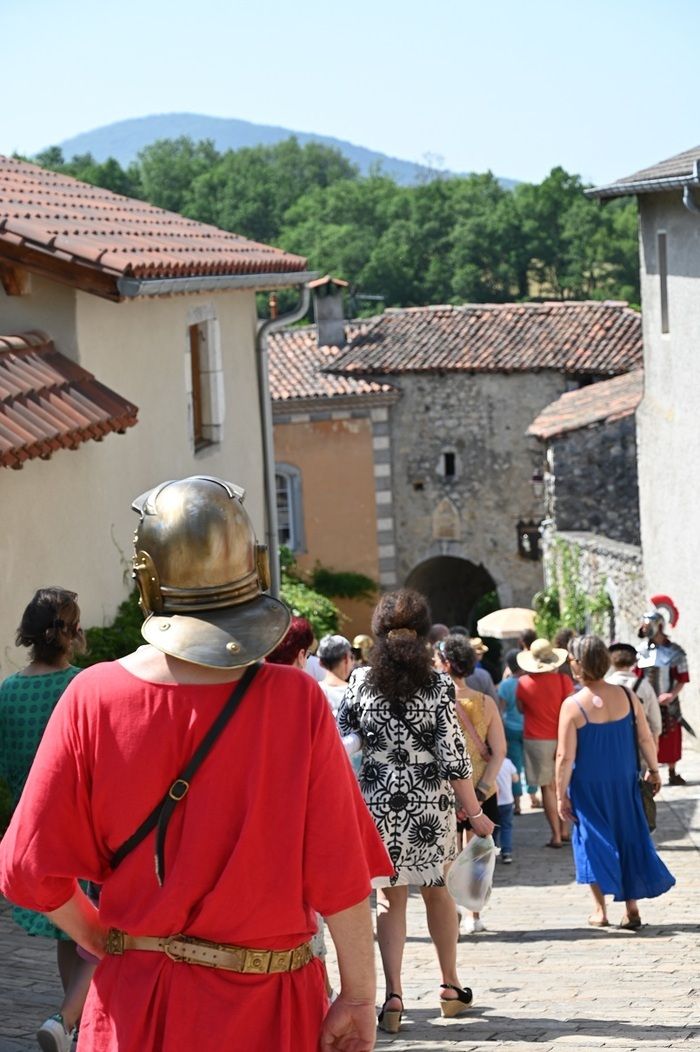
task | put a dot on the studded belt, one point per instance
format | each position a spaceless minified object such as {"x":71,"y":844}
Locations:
{"x":188,"y":950}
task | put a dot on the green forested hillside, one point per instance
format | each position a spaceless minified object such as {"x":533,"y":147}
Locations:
{"x":446,"y":240}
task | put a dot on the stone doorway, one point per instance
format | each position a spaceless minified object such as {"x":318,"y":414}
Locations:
{"x":452,"y":586}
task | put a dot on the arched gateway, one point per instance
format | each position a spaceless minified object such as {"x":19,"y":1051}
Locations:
{"x":452,"y":586}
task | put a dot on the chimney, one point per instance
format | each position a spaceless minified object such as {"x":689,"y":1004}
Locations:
{"x":329,"y":310}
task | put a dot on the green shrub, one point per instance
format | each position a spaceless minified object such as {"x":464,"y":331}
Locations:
{"x":305,"y":601}
{"x":342,"y":584}
{"x":114,"y":641}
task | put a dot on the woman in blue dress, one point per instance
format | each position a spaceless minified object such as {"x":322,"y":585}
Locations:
{"x":598,"y":791}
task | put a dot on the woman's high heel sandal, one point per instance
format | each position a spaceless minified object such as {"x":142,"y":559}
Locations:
{"x":389,"y":1021}
{"x":458,"y":1005}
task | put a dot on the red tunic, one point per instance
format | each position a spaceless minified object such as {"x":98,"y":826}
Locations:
{"x":273,"y":828}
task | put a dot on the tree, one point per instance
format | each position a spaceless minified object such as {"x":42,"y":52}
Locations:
{"x":169,"y":167}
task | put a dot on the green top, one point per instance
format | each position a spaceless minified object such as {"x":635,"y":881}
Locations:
{"x":26,"y":702}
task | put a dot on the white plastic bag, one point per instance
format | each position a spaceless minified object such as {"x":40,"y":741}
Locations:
{"x":471,"y":874}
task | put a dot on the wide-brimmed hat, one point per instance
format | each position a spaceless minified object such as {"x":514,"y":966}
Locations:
{"x":542,"y":657}
{"x":202,"y":577}
{"x":478,"y":646}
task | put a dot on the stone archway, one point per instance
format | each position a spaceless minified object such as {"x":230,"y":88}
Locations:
{"x":452,"y":586}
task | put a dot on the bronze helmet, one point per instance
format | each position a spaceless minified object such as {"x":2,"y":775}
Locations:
{"x":202,"y":576}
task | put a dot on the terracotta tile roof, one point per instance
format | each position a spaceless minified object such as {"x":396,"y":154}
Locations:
{"x":588,"y":337}
{"x":595,"y":404}
{"x":296,"y":361}
{"x":75,"y":223}
{"x":48,"y":402}
{"x":671,"y":174}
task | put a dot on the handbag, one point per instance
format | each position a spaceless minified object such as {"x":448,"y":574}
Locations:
{"x":645,"y":790}
{"x":470,"y":878}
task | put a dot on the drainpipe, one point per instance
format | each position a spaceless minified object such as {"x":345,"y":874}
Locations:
{"x":688,"y":199}
{"x":271,"y":325}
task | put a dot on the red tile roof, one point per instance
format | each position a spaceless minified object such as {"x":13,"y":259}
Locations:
{"x":296,"y":361}
{"x":595,"y":404}
{"x":588,"y":337}
{"x":48,"y":402}
{"x":673,"y":173}
{"x":73,"y":223}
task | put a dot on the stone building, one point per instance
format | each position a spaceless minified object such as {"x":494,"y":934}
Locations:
{"x":590,"y":479}
{"x":459,"y":491}
{"x":668,"y":194}
{"x":591,"y":497}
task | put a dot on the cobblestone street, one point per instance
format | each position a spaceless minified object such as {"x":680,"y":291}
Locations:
{"x":539,"y":974}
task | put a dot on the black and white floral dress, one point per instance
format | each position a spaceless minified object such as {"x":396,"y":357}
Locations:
{"x":407,"y":762}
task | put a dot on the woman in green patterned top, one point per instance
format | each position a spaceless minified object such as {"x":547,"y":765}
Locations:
{"x":50,"y":627}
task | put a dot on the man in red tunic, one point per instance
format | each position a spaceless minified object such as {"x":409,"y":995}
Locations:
{"x":270,"y":828}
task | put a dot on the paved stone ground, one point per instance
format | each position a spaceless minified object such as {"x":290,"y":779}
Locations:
{"x":540,"y":975}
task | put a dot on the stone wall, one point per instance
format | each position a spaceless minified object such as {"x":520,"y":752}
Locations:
{"x":592,"y":481}
{"x":604,"y":565}
{"x":461,"y":470}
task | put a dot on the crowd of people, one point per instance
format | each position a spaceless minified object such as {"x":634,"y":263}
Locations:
{"x":279,"y":781}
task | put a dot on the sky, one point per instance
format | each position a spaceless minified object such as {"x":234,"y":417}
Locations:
{"x":603,"y":88}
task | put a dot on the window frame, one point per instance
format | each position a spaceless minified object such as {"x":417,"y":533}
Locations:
{"x":292,"y":480}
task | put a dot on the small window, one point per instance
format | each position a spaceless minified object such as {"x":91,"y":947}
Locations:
{"x":205,"y":384}
{"x":290,"y":531}
{"x":662,"y":259}
{"x":448,"y":465}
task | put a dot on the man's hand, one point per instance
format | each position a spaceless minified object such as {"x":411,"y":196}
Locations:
{"x":349,"y":1027}
{"x":665,"y":699}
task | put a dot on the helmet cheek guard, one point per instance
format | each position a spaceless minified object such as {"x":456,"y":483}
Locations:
{"x":145,"y":574}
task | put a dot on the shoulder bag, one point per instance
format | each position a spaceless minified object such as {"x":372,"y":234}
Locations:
{"x":646,"y":792}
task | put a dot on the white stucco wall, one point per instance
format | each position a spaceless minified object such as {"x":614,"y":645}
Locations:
{"x":68,"y":520}
{"x":668,"y":430}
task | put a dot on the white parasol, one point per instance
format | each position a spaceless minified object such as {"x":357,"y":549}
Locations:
{"x":507,"y":623}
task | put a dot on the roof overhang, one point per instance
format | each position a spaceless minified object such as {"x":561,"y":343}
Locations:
{"x":659,"y":185}
{"x":131,"y":288}
{"x":337,"y":403}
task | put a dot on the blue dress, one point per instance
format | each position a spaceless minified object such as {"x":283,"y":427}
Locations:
{"x":611,"y":840}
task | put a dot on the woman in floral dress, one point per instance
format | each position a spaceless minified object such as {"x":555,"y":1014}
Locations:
{"x":413,"y":759}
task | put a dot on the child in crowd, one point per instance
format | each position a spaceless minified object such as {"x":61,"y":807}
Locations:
{"x":503,"y":833}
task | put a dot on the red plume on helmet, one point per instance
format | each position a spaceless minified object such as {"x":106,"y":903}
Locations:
{"x":667,"y":608}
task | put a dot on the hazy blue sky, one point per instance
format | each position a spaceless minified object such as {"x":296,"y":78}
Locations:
{"x":603,"y":87}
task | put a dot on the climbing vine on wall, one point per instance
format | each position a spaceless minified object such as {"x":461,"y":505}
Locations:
{"x":566,"y":603}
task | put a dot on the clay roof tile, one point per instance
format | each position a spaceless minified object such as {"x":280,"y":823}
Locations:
{"x":48,"y":402}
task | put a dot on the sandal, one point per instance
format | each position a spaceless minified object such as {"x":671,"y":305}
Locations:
{"x":631,"y":922}
{"x":551,"y":843}
{"x":594,"y":922}
{"x":454,"y":1006}
{"x":390,"y":1020}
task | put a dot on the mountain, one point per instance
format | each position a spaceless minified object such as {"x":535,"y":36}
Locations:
{"x":124,"y":139}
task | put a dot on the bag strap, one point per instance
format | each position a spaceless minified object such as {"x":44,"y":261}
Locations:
{"x":162,"y":812}
{"x":634,"y":731}
{"x":471,"y":731}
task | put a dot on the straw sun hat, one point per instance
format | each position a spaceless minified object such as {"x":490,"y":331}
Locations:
{"x":542,"y":657}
